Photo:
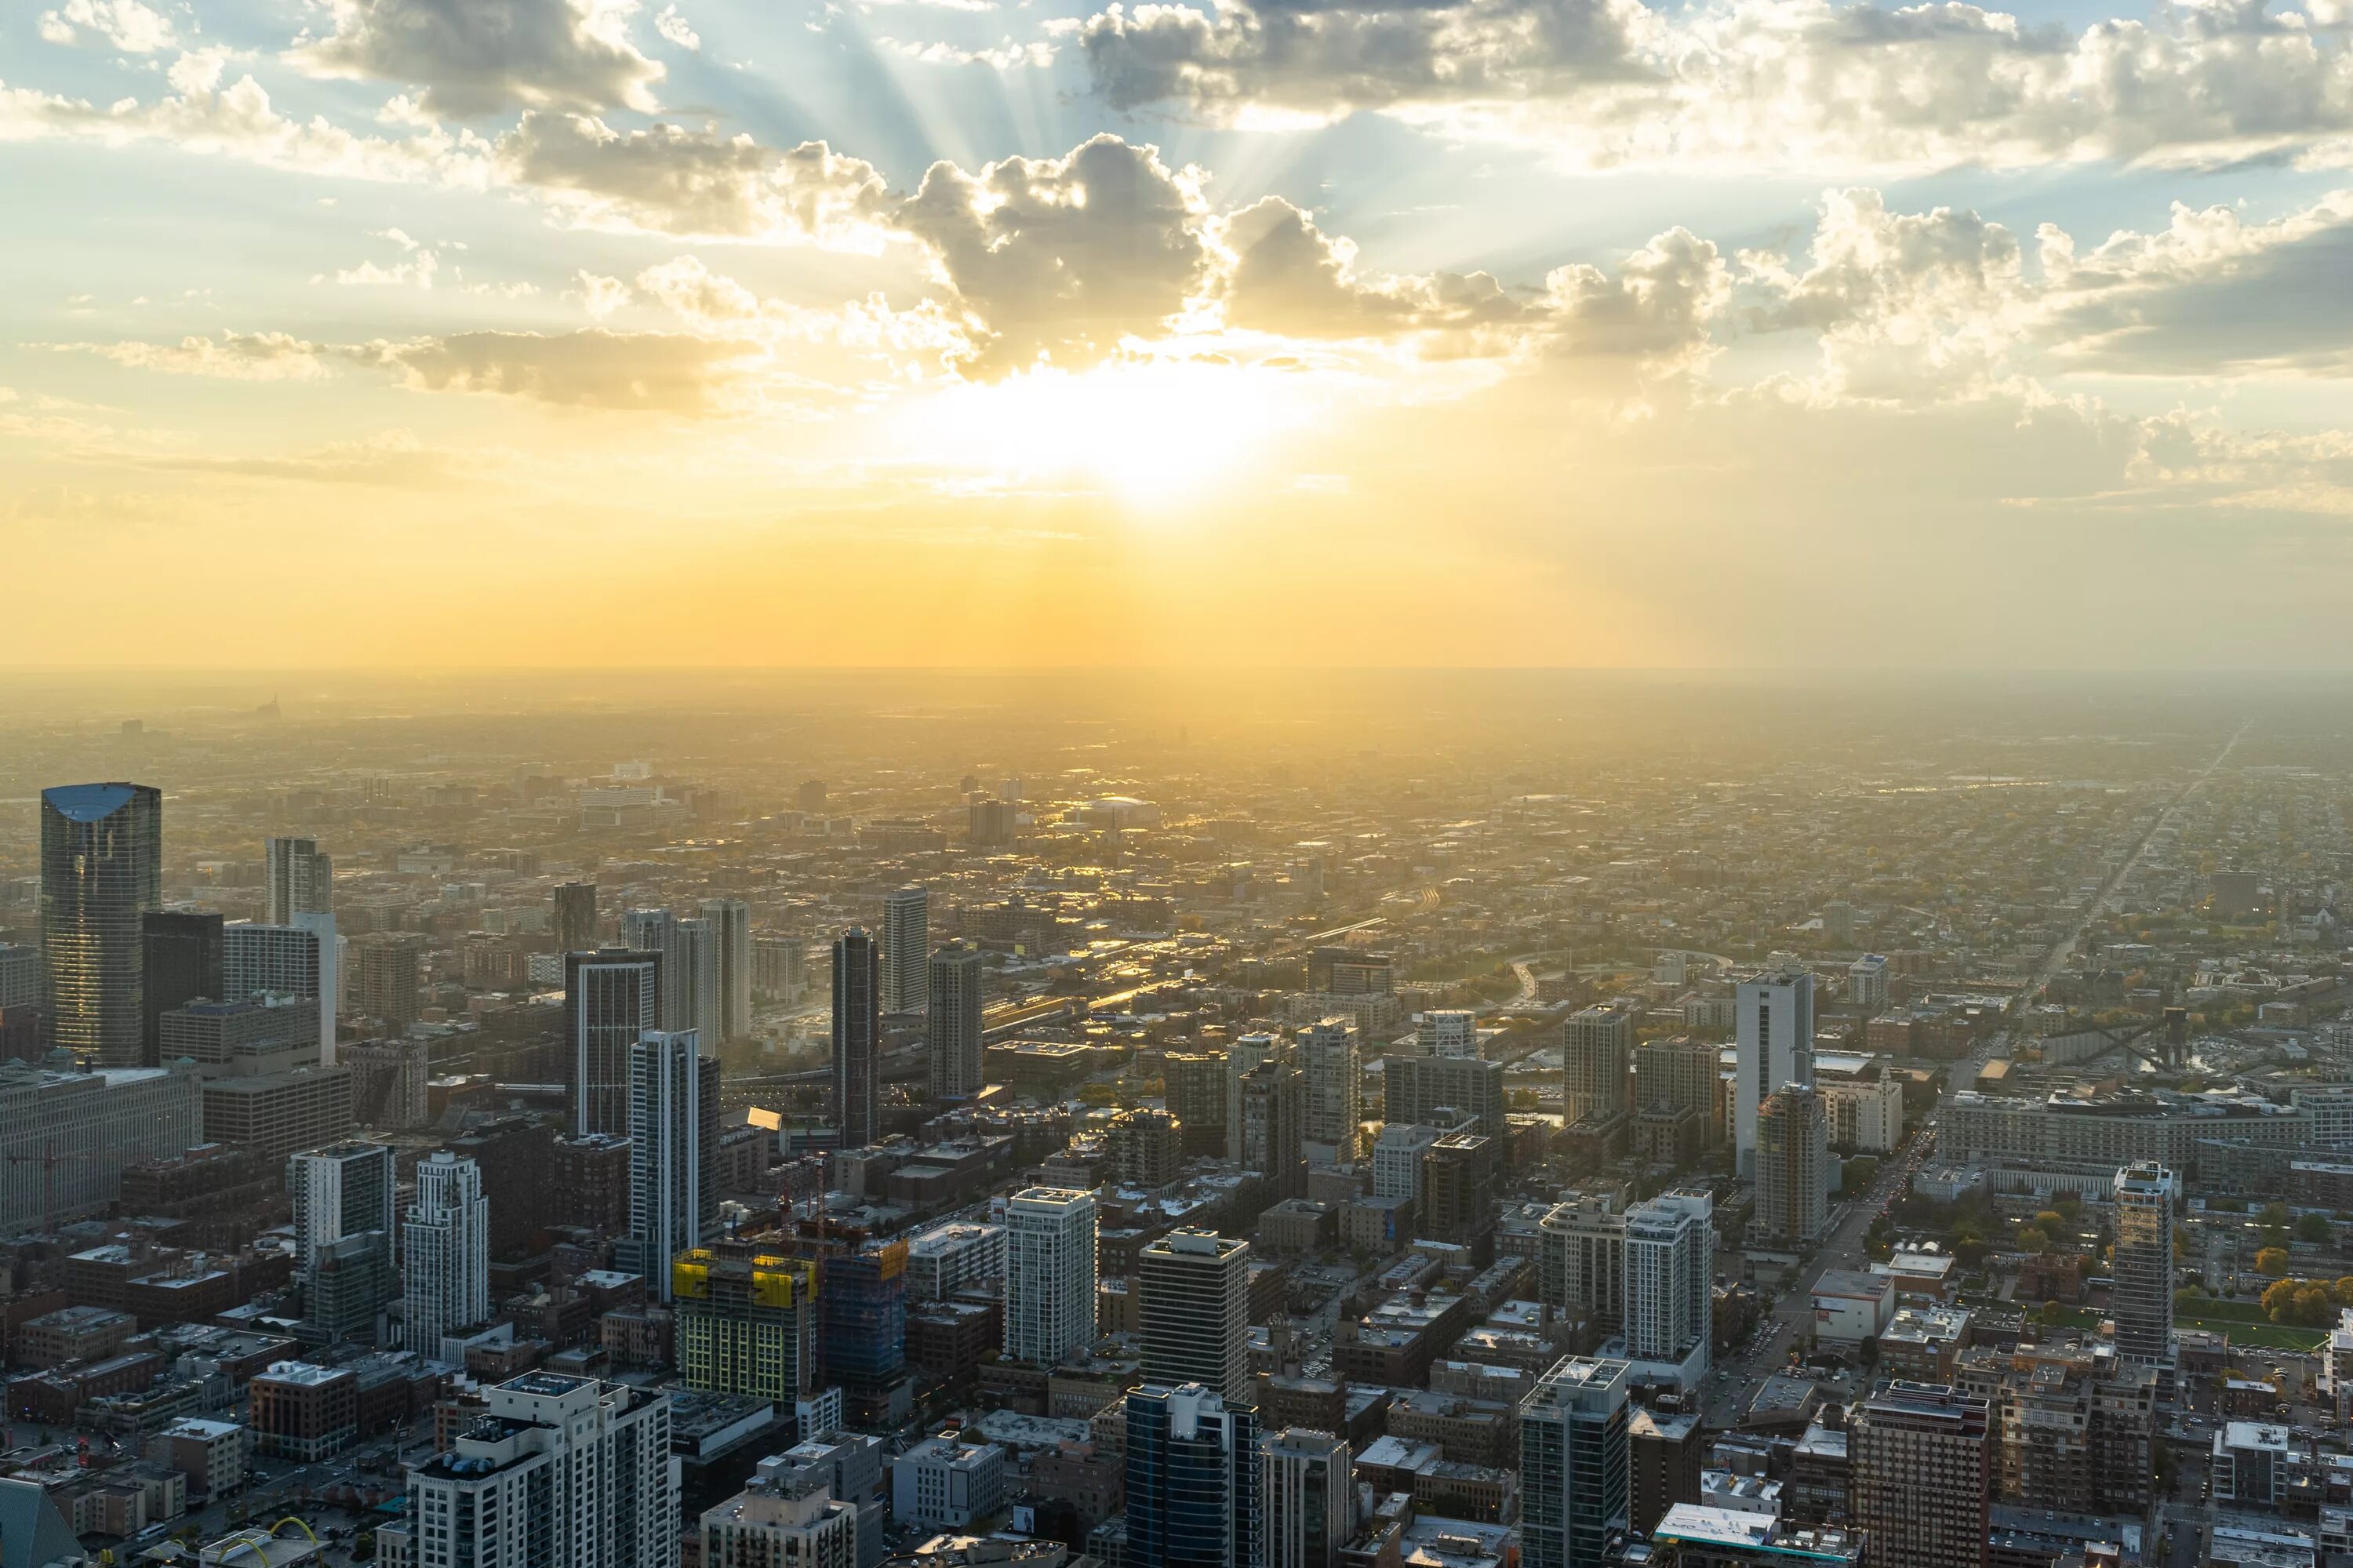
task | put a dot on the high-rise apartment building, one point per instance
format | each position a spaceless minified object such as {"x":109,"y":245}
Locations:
{"x":1581,"y":1261}
{"x":2143,"y":1297}
{"x":730,"y":920}
{"x":1669,"y":1282}
{"x":386,"y":973}
{"x":1308,"y":1496}
{"x":611,"y":999}
{"x":1146,"y":1149}
{"x":1773,"y":1026}
{"x":101,"y":870}
{"x":1920,"y":1462}
{"x":344,"y":1189}
{"x":180,"y":962}
{"x":2074,"y":1425}
{"x":444,"y":1255}
{"x":1574,"y":1463}
{"x":862,"y":1310}
{"x":952,"y":1023}
{"x":1193,"y":1496}
{"x":857,"y":1038}
{"x":1244,"y":1056}
{"x":745,"y":1324}
{"x":1423,"y":1090}
{"x":575,"y":916}
{"x":300,"y":960}
{"x":1792,"y":1166}
{"x":1195,"y":1094}
{"x":1866,"y":982}
{"x":556,"y":1472}
{"x":1274,"y":1101}
{"x":1397,"y":1159}
{"x":1448,"y":1032}
{"x":690,"y":973}
{"x":1334,"y":1070}
{"x":946,"y":1258}
{"x":673,"y":1152}
{"x":1595,"y":1044}
{"x":786,"y":1516}
{"x":1686,"y":1074}
{"x":1050,"y":1273}
{"x":906,"y":950}
{"x":1194,"y":1312}
{"x":301,"y":880}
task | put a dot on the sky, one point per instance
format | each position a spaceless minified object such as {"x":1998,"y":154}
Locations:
{"x":1748,"y":334}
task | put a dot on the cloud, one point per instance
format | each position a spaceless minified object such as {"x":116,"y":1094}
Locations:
{"x":1062,"y":259}
{"x":675,"y":27}
{"x":658,"y":372}
{"x":127,"y":25}
{"x":479,"y":56}
{"x":230,"y":356}
{"x":599,"y":296}
{"x":1753,"y":83}
{"x":672,"y":180}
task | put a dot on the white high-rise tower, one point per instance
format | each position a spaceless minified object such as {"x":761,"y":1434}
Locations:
{"x":445,"y":1247}
{"x":1774,"y":1025}
{"x":906,"y":950}
{"x":1050,"y":1273}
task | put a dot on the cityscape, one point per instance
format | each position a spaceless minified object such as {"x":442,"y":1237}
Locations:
{"x":893,"y":1122}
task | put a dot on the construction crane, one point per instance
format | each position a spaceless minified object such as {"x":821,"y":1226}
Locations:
{"x":48,"y":1159}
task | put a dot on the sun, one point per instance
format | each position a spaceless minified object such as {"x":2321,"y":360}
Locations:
{"x":1153,"y":433}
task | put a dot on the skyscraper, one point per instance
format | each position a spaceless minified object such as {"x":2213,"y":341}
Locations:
{"x":1595,"y":1044}
{"x":611,"y":999}
{"x":1194,"y":1310}
{"x":746,"y":1325}
{"x":384,"y":979}
{"x":689,"y":973}
{"x":180,"y":962}
{"x":1195,"y":1085}
{"x":1192,"y":1478}
{"x":1416,"y":1089}
{"x":857,"y":1037}
{"x":1792,"y":1166}
{"x":731,"y":941}
{"x":1050,"y":1273}
{"x":1308,"y":1496}
{"x":1920,"y":1475}
{"x":1773,"y":1023}
{"x":1574,"y":1463}
{"x":952,"y":1027}
{"x":445,"y":1254}
{"x":1329,"y":1058}
{"x":1274,"y":1101}
{"x":345,"y":1188}
{"x":1669,"y":1282}
{"x":1447,"y":1032}
{"x":101,"y":869}
{"x":298,"y":960}
{"x":673,"y":1153}
{"x":301,"y":880}
{"x":1684,"y":1072}
{"x":906,"y":948}
{"x":575,"y":916}
{"x":1243,"y":1057}
{"x":2143,"y":1297}
{"x":863,"y":1310}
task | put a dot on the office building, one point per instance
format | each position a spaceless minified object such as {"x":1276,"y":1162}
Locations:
{"x":556,"y":1472}
{"x":1773,"y":1025}
{"x":388,"y":1082}
{"x":906,"y":950}
{"x":857,"y":1038}
{"x":445,"y":1255}
{"x":180,"y":962}
{"x":1350,"y":971}
{"x":344,"y":1189}
{"x":1193,"y":1308}
{"x":611,"y":999}
{"x":1050,"y":1273}
{"x":1192,"y":1479}
{"x":385,"y":974}
{"x":298,"y":960}
{"x":1439,"y":1091}
{"x":784,"y":1517}
{"x":1792,"y":1166}
{"x":102,"y":871}
{"x":1574,"y":1463}
{"x":274,"y":1034}
{"x":2143,"y":1297}
{"x":1308,"y":1496}
{"x":1686,"y":1074}
{"x":300,"y":879}
{"x":1334,"y":1071}
{"x":20,"y":974}
{"x":1448,"y":1032}
{"x":272,"y":1115}
{"x":730,"y":920}
{"x":350,"y":1282}
{"x":1274,"y":1101}
{"x":1461,"y":1175}
{"x":673,"y":1153}
{"x":1670,"y":1284}
{"x":575,"y":918}
{"x":1667,"y":1457}
{"x":943,"y":1483}
{"x":952,"y":1023}
{"x":2123,"y":1128}
{"x":66,"y":1138}
{"x":746,"y":1325}
{"x":1921,"y":1461}
{"x":1595,"y":1044}
{"x":1194,"y":1086}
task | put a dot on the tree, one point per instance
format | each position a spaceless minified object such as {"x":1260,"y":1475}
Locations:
{"x":2314,"y":1229}
{"x":2053,"y":1315}
{"x":2273,"y":1217}
{"x":2272,"y":1261}
{"x":2052,"y":1221}
{"x":2279,"y":1299}
{"x":2031,"y":1239}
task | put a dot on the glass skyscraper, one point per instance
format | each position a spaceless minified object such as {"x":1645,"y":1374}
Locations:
{"x":101,"y":870}
{"x":857,"y":1034}
{"x":1193,"y":1480}
{"x":1573,"y":1462}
